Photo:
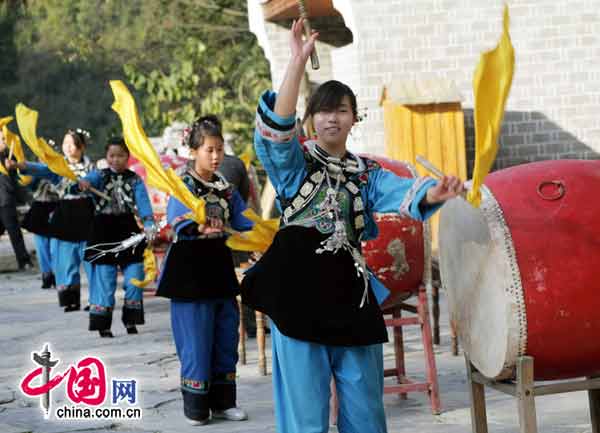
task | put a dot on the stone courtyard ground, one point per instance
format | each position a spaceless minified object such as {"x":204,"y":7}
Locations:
{"x":30,"y":317}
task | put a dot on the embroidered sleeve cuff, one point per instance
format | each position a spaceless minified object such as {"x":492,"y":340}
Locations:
{"x":410,"y":206}
{"x":271,"y":126}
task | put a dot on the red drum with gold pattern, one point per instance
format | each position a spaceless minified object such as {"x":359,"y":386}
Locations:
{"x":398,"y":256}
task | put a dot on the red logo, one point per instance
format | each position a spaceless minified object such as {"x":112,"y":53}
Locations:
{"x":86,"y":381}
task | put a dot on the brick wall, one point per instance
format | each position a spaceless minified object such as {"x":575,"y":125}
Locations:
{"x":553,"y":109}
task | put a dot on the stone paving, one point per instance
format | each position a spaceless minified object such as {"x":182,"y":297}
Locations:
{"x":30,"y":317}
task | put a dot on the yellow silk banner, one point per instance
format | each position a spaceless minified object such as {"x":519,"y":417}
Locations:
{"x":491,"y":85}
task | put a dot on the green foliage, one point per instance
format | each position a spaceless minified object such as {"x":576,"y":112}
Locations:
{"x":182,"y":58}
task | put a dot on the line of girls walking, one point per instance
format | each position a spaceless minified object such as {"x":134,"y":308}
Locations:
{"x":197,"y":275}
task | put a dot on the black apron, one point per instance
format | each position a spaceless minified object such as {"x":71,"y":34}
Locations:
{"x":198,"y":269}
{"x":313,"y":297}
{"x":114,"y":228}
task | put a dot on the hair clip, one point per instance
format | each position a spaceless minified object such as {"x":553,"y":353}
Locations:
{"x":83,"y":132}
{"x":185,"y":136}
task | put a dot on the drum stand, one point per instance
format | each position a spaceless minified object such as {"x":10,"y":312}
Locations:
{"x":405,"y":385}
{"x":524,"y":389}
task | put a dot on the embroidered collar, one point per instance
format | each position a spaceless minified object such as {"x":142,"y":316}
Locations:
{"x":350,"y":163}
{"x":81,"y":165}
{"x":220,"y":184}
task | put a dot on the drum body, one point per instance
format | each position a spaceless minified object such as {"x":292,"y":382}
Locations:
{"x":400,"y":254}
{"x":521,"y":272}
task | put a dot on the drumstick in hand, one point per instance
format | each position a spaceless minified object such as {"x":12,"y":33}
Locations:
{"x":437,"y":172}
{"x":314,"y":58}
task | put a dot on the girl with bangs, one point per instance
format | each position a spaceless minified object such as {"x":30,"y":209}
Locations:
{"x":313,"y":281}
{"x":69,"y":223}
{"x":198,"y":277}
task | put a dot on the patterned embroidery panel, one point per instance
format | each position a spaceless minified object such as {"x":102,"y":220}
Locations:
{"x":195,"y":385}
{"x":324,"y":224}
{"x":120,"y":188}
{"x":80,"y":169}
{"x":224,"y":378}
{"x":135,"y":305}
{"x":305,"y":205}
{"x":100,"y":309}
{"x":217,"y":198}
{"x":272,"y":134}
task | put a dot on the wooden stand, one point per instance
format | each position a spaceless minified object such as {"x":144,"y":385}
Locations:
{"x":405,"y":385}
{"x":260,"y":341}
{"x":525,"y":390}
{"x":242,"y":332}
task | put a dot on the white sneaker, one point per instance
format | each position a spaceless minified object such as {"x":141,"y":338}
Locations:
{"x":196,"y":422}
{"x":231,"y":414}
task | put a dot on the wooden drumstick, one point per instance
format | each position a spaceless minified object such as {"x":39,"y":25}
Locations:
{"x":314,"y":58}
{"x":436,"y":171}
{"x":99,"y":193}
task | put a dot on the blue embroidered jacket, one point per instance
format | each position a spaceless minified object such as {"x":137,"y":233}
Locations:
{"x":283,"y":157}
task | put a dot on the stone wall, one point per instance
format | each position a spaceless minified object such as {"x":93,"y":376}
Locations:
{"x":552,"y":111}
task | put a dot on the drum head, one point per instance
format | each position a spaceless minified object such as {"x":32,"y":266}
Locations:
{"x":479,"y":272}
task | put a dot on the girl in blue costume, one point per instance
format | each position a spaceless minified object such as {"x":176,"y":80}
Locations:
{"x":70,"y":221}
{"x":115,"y":221}
{"x":313,"y":281}
{"x":37,"y":221}
{"x":199,"y":278}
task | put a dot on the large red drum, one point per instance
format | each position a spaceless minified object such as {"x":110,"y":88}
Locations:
{"x":400,"y":254}
{"x":522,"y":271}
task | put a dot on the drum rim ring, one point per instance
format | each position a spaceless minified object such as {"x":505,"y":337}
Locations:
{"x":561,"y":190}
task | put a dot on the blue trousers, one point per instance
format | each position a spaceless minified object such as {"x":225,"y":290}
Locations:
{"x":206,"y":338}
{"x":302,"y":372}
{"x":42,"y":248}
{"x":103,"y":286}
{"x":66,"y":261}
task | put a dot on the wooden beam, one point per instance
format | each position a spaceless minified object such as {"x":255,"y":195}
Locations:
{"x":577,"y":385}
{"x":594,"y":397}
{"x":278,"y":10}
{"x":479,"y":422}
{"x":525,"y":395}
{"x":505,"y":387}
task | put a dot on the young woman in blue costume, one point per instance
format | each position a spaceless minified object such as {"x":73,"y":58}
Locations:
{"x":114,"y":221}
{"x":199,"y":278}
{"x":313,"y":281}
{"x":70,"y":220}
{"x":37,"y":221}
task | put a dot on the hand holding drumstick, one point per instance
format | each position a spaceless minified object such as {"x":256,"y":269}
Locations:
{"x":448,"y":187}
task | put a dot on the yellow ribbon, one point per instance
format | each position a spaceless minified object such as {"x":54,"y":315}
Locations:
{"x":14,"y":144}
{"x":141,"y":148}
{"x":247,"y":156}
{"x":149,"y":270}
{"x":259,"y":238}
{"x":27,"y":121}
{"x":491,"y":85}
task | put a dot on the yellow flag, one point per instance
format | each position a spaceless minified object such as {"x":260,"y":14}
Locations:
{"x":259,"y":238}
{"x":3,"y":122}
{"x":149,"y":270}
{"x":140,"y":147}
{"x":27,"y":121}
{"x":247,"y":155}
{"x":491,"y":85}
{"x":13,"y":143}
